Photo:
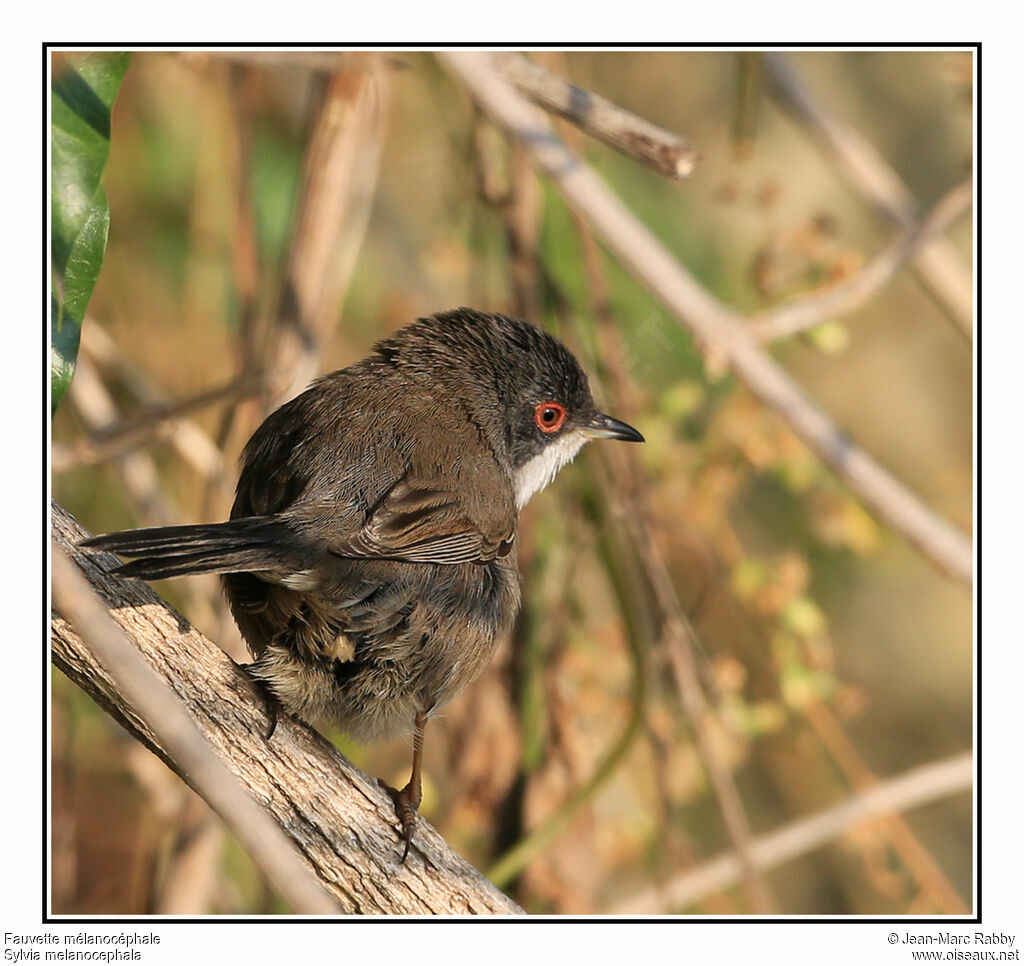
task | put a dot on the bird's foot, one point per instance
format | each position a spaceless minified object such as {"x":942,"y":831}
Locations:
{"x":271,"y":705}
{"x":406,"y":802}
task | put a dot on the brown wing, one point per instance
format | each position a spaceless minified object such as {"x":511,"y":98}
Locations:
{"x":316,"y":460}
{"x":272,"y":478}
{"x":420,"y":524}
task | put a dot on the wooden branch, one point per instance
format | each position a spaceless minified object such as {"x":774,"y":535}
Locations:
{"x":938,"y":264}
{"x":341,"y":820}
{"x":174,"y":730}
{"x":916,"y":787}
{"x":807,"y":311}
{"x":718,"y":330}
{"x":667,"y":153}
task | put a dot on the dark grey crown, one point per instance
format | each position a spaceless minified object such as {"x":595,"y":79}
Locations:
{"x":501,"y":367}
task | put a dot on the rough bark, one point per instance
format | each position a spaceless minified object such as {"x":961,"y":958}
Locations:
{"x":341,"y":820}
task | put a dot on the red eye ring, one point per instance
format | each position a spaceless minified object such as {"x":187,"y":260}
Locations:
{"x":549,"y":416}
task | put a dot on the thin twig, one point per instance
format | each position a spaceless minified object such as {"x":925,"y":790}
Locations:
{"x":938,"y":264}
{"x":918,"y":860}
{"x":150,"y":501}
{"x":167,"y":719}
{"x":717,"y":329}
{"x":188,"y":438}
{"x":926,"y":783}
{"x":158,"y":423}
{"x":680,"y":644}
{"x":523,"y":852}
{"x":677,"y":638}
{"x":96,"y":408}
{"x":667,"y":153}
{"x":808,"y":311}
{"x":522,"y":225}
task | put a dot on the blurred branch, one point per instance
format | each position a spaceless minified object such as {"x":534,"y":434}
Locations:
{"x":667,"y":153}
{"x":245,"y":249}
{"x":522,"y":225}
{"x":520,"y":208}
{"x":916,"y":787}
{"x":173,"y":730}
{"x":239,"y":80}
{"x":342,"y":821}
{"x":805,"y":312}
{"x":918,"y":860}
{"x":938,"y":264}
{"x":94,"y":405}
{"x":322,"y":60}
{"x":150,"y":502}
{"x":339,"y":178}
{"x":160,"y":422}
{"x":189,"y":883}
{"x":189,"y":439}
{"x":186,"y":865}
{"x":718,"y":329}
{"x":749,"y":85}
{"x":523,"y":852}
{"x":678,"y":640}
{"x":675,"y":635}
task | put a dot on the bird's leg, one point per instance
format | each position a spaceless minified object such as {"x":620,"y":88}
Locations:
{"x":271,"y":705}
{"x":408,"y":799}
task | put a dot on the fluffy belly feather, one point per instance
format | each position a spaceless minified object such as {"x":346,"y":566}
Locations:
{"x":407,"y":646}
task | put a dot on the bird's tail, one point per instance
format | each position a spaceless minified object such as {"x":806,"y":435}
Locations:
{"x":246,"y":544}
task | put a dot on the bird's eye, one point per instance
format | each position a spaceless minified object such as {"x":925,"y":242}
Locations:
{"x":549,"y":416}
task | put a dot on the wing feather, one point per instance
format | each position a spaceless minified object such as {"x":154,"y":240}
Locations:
{"x":421,"y":524}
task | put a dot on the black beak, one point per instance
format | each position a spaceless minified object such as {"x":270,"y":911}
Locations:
{"x":609,"y":428}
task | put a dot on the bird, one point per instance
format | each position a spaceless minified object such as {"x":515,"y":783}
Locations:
{"x":370,"y":556}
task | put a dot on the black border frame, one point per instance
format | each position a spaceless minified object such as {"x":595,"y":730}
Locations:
{"x":948,"y":921}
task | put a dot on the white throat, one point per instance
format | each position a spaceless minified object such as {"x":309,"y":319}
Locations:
{"x":542,"y":469}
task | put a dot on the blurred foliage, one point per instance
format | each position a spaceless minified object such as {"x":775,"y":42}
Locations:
{"x":827,"y":645}
{"x":83,"y":90}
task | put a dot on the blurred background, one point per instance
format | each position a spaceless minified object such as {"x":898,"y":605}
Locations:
{"x":717,"y":639}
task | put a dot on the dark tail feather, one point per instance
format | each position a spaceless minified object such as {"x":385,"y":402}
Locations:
{"x":251,"y":543}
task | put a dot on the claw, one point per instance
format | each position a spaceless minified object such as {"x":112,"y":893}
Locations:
{"x":271,"y":705}
{"x":406,"y":802}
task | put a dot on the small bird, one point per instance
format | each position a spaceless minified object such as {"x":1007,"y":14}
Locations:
{"x":370,"y":558}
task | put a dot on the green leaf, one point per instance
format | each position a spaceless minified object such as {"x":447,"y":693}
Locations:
{"x":84,"y":86}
